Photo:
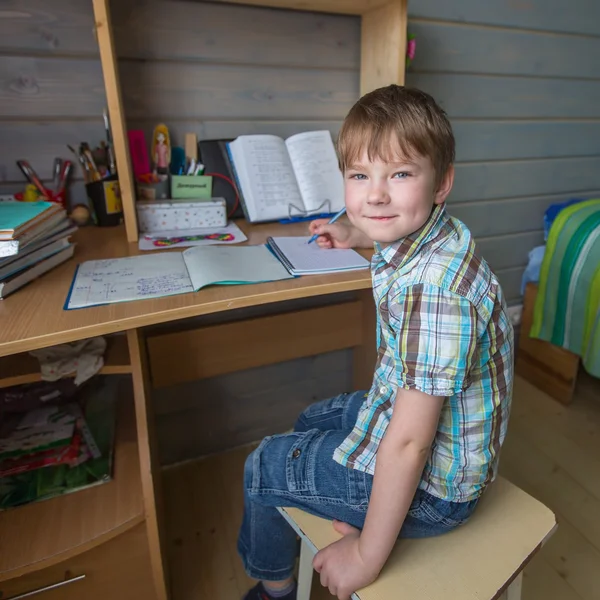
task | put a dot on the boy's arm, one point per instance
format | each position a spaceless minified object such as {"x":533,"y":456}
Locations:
{"x":355,"y":561}
{"x":401,"y":458}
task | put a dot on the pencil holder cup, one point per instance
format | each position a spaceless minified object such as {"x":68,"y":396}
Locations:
{"x":105,"y":200}
{"x":154,"y":191}
{"x":197,"y":187}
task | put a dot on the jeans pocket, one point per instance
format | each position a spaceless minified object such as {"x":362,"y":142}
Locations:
{"x":300,"y":461}
{"x":437,"y":512}
{"x":360,"y":485}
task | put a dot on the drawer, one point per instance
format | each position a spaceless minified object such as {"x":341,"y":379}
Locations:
{"x":119,"y":570}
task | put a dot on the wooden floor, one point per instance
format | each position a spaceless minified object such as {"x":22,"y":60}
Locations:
{"x":552,"y":452}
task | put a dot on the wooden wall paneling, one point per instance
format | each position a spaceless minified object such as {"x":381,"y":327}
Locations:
{"x":550,"y":368}
{"x":514,"y":215}
{"x":186,"y":90}
{"x":493,"y":96}
{"x":118,"y":124}
{"x":506,"y":251}
{"x":383,"y":46}
{"x":245,"y":406}
{"x":149,"y":462}
{"x":510,"y":140}
{"x":217,"y":33}
{"x":454,"y":48}
{"x":62,"y":27}
{"x":219,"y":349}
{"x":33,"y":87}
{"x":506,"y":179}
{"x":363,"y":359}
{"x":510,"y":280}
{"x":579,"y":17}
{"x":41,"y":141}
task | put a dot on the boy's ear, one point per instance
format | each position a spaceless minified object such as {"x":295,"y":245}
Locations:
{"x":445,"y":186}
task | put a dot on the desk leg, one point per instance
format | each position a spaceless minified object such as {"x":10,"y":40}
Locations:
{"x":149,"y":465}
{"x":363,"y":361}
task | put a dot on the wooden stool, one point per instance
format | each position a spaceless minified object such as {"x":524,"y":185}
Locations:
{"x":482,"y":560}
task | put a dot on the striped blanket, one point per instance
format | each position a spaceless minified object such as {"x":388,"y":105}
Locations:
{"x":567,"y":309}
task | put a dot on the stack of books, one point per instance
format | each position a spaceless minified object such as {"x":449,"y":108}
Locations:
{"x":34,"y":238}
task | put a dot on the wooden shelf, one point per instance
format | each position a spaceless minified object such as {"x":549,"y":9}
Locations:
{"x":42,"y":534}
{"x":19,"y":369}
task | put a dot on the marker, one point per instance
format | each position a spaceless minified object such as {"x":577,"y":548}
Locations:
{"x":333,"y":220}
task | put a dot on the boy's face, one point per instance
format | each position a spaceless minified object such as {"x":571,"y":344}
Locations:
{"x":390,"y":200}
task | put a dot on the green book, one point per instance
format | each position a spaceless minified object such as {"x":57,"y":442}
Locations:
{"x":15,"y":216}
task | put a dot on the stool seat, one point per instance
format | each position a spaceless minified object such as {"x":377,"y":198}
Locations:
{"x":478,"y":561}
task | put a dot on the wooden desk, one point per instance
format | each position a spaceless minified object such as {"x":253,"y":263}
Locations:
{"x":49,"y":533}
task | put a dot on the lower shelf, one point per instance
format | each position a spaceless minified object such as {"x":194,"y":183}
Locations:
{"x":45,"y":533}
{"x":19,"y":369}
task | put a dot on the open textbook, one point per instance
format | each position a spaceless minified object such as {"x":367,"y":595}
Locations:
{"x":281,"y":179}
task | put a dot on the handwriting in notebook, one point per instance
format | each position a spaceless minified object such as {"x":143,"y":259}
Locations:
{"x":149,"y":276}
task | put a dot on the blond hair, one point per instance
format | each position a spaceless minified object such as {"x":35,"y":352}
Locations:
{"x":397,"y":122}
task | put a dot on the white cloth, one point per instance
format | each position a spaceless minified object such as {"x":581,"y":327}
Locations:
{"x":84,"y":358}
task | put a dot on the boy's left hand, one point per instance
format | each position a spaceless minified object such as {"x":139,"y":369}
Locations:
{"x":341,"y":566}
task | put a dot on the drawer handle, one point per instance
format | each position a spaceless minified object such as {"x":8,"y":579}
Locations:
{"x":47,"y":588}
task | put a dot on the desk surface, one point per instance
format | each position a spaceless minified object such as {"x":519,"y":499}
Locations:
{"x":33,"y":317}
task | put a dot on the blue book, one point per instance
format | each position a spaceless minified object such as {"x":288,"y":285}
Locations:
{"x":18,"y":217}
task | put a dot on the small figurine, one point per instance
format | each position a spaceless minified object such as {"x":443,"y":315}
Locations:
{"x":161,"y":149}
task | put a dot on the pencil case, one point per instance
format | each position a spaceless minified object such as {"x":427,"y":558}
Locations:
{"x":170,"y":215}
{"x":191,"y":186}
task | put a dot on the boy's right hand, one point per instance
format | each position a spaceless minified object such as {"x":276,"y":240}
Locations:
{"x":335,"y":235}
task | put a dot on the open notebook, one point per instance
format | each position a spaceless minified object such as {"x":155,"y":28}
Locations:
{"x":166,"y":274}
{"x":302,"y":258}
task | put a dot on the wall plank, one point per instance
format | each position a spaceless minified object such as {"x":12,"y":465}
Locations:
{"x":579,"y":16}
{"x":182,"y":90}
{"x":510,"y":280}
{"x":57,"y":27}
{"x":516,"y":215}
{"x":501,"y":140}
{"x":63,"y":88}
{"x":454,"y":47}
{"x":190,"y":31}
{"x":506,"y":179}
{"x":504,"y":252}
{"x":51,"y":87}
{"x":485,"y":96}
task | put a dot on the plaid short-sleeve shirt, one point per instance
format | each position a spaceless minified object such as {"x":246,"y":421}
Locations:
{"x":443,"y":329}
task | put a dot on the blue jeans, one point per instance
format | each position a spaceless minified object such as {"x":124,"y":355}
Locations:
{"x":297,"y":469}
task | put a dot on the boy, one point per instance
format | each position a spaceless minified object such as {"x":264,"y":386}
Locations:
{"x":412,"y":456}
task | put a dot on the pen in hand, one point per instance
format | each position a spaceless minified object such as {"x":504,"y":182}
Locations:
{"x":333,"y":220}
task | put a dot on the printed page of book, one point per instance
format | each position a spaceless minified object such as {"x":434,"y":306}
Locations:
{"x":266,"y":176}
{"x":317,"y":171}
